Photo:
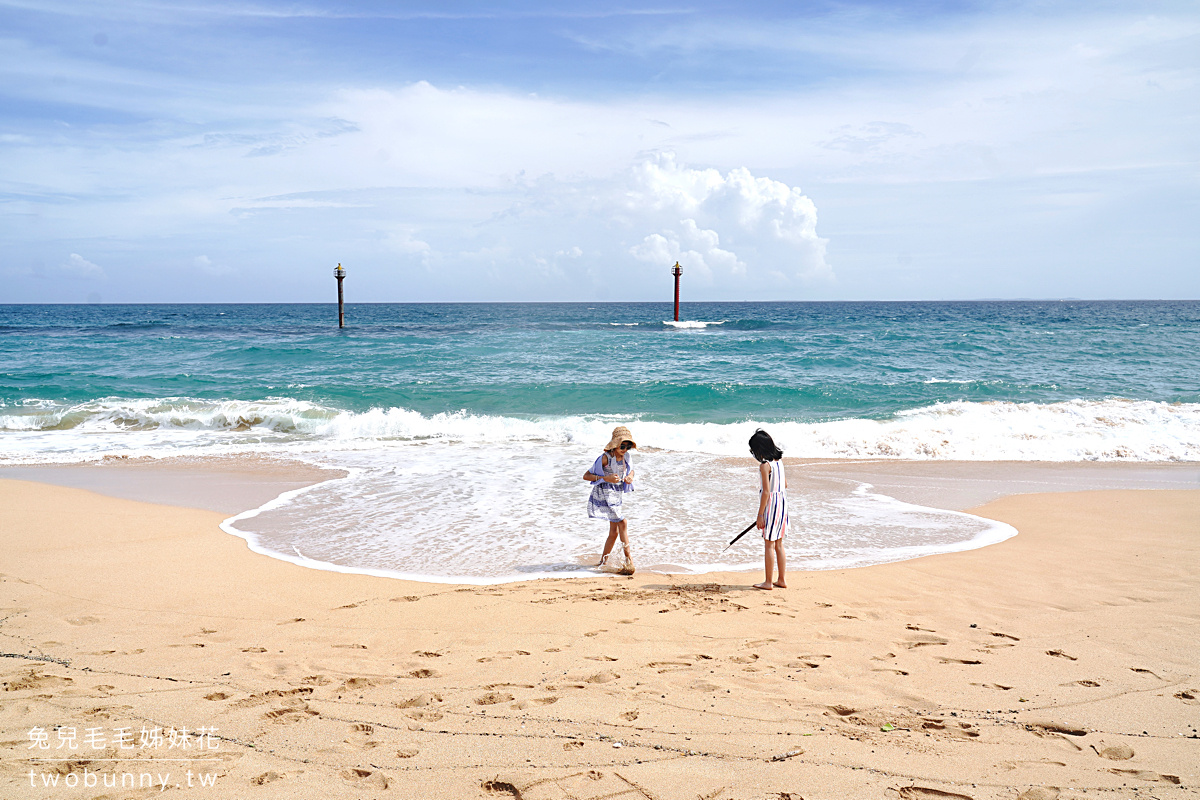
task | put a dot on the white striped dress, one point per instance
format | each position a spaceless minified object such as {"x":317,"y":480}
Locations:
{"x":776,"y":514}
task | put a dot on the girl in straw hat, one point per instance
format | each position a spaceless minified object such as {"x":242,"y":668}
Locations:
{"x":611,"y":477}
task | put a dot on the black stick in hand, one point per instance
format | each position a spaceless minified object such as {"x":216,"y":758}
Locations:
{"x":740,"y":535}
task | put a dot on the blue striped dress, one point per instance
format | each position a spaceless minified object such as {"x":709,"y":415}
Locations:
{"x":606,"y":499}
{"x":776,"y":515}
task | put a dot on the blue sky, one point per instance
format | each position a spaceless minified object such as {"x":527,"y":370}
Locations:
{"x":236,"y":152}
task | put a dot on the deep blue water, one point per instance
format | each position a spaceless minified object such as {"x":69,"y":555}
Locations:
{"x":763,"y":361}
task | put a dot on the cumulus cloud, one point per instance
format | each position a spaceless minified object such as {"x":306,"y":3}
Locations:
{"x":732,"y":225}
{"x":76,"y":266}
{"x":736,"y":234}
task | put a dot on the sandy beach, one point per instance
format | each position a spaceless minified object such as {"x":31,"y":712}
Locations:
{"x":1061,"y":663}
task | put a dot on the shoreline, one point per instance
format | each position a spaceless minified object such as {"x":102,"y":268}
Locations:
{"x":986,"y":673}
{"x":244,"y":487}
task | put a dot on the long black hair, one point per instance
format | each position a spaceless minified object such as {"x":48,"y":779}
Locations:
{"x":763,"y":446}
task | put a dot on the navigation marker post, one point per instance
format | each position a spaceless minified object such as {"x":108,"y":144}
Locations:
{"x":340,"y":274}
{"x":676,"y":271}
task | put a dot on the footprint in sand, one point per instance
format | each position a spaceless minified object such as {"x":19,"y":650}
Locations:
{"x":291,"y":713}
{"x":749,"y":658}
{"x":1147,"y":775}
{"x":408,"y":752}
{"x":424,"y":714}
{"x":1187,"y":696}
{"x":1090,"y":684}
{"x":265,"y":778}
{"x":961,"y":730}
{"x":408,"y":598}
{"x":915,"y":628}
{"x":945,"y":660}
{"x":350,"y":646}
{"x":999,"y":686}
{"x":924,"y":641}
{"x":629,"y":716}
{"x":492,"y":698}
{"x":602,"y":677}
{"x":535,"y":701}
{"x":365,"y":777}
{"x":254,"y":649}
{"x":427,"y":654}
{"x":358,"y":684}
{"x":925,"y":793}
{"x":1044,"y":762}
{"x":317,"y":680}
{"x":34,"y":680}
{"x":596,"y":633}
{"x":1005,"y":636}
{"x":1116,"y":753}
{"x":290,"y":621}
{"x":422,"y":673}
{"x":1141,"y":671}
{"x":1061,"y":654}
{"x":600,"y":658}
{"x":894,"y":671}
{"x":217,"y":696}
{"x":421,"y":700}
{"x":1040,"y":792}
{"x":572,"y":745}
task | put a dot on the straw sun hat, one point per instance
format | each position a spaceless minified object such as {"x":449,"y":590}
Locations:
{"x":620,"y":434}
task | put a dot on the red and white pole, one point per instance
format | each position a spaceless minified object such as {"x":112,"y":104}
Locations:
{"x":677,"y":271}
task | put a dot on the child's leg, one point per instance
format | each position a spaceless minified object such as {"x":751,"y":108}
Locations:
{"x":779,"y":557}
{"x":768,"y":564}
{"x":628,"y":568}
{"x":612,"y":539}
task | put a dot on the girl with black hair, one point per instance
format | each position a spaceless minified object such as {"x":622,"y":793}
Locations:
{"x":772,"y":506}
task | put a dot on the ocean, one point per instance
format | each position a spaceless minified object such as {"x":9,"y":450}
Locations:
{"x":463,"y":430}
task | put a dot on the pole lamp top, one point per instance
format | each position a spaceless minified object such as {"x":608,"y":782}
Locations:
{"x":339,"y":272}
{"x":676,"y":270}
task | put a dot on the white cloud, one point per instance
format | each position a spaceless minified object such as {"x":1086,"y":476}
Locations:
{"x":76,"y":266}
{"x":769,"y":228}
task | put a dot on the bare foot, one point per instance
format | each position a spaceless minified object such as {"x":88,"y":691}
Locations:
{"x":763,"y":585}
{"x":780,"y":584}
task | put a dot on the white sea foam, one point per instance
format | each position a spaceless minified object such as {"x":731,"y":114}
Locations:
{"x":1078,"y":430}
{"x":476,"y":514}
{"x":691,"y":323}
{"x":486,"y":498}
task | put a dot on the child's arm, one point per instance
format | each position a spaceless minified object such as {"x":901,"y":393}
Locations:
{"x":764,"y":472}
{"x":590,"y":477}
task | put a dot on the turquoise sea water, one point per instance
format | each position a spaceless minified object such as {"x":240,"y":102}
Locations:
{"x":476,"y":417}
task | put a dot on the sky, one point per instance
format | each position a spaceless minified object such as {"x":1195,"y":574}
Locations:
{"x":534,"y":151}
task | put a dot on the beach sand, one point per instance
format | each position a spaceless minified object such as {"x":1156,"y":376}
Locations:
{"x":1060,"y":663}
